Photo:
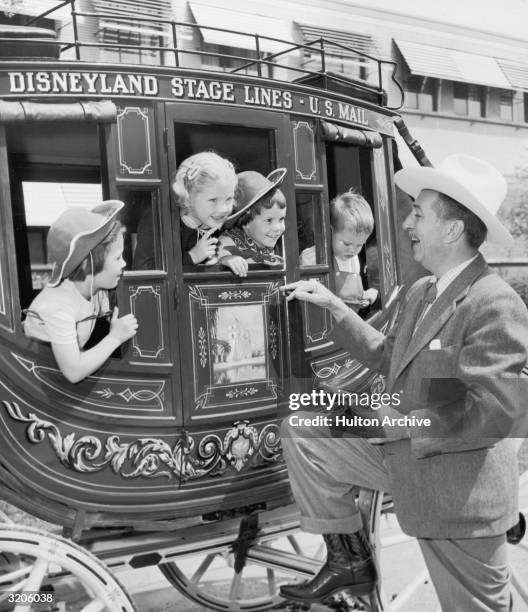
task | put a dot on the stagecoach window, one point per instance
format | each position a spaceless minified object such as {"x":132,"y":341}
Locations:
{"x":248,"y":148}
{"x":43,"y":203}
{"x":142,"y":238}
{"x":310,"y":226}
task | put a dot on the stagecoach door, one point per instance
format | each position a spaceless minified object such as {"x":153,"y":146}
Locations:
{"x":232,"y":333}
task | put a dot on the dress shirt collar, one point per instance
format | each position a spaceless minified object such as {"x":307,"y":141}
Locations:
{"x":448,"y":277}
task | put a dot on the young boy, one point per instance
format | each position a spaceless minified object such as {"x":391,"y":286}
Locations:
{"x":86,"y":250}
{"x":352,"y":223}
{"x":259,"y":222}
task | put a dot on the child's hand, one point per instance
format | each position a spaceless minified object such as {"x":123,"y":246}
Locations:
{"x":237,"y":264}
{"x":205,"y":247}
{"x":124,"y":328}
{"x":371,"y":295}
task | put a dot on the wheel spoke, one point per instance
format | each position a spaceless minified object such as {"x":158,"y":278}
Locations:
{"x":202,"y":568}
{"x":13,"y":589}
{"x":14,"y":575}
{"x":35,"y":578}
{"x":236,"y":583}
{"x":272,"y":583}
{"x":295,"y":545}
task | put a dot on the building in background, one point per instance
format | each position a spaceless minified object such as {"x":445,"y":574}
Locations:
{"x":463,"y":67}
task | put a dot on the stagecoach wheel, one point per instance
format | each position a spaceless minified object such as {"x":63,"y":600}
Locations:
{"x":33,"y":560}
{"x":210,"y":579}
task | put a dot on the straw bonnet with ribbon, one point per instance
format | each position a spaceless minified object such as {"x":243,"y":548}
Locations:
{"x":472,"y":182}
{"x":252,"y":187}
{"x":75,"y":233}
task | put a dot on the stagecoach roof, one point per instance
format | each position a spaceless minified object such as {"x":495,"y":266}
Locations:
{"x":454,"y":65}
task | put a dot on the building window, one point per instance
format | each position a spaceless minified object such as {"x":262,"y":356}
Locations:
{"x":506,"y":105}
{"x":421,"y":93}
{"x":137,"y":45}
{"x":468,"y":100}
{"x":225,"y":58}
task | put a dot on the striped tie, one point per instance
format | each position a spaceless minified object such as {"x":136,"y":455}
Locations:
{"x":428,"y":298}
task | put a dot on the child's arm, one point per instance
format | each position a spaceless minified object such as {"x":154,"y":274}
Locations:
{"x":76,"y":364}
{"x":237,"y":264}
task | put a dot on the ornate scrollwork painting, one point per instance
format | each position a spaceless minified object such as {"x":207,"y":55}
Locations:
{"x":187,"y":458}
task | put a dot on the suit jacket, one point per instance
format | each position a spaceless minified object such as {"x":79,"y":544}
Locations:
{"x":460,"y":477}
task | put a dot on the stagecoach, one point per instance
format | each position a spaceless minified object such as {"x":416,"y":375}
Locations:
{"x":172,"y":449}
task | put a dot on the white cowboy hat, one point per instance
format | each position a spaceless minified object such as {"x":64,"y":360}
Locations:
{"x":472,"y":182}
{"x":75,"y":233}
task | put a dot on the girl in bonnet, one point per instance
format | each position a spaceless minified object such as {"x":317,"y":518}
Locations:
{"x":86,"y":250}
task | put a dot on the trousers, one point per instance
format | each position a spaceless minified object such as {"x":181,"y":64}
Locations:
{"x":469,"y":575}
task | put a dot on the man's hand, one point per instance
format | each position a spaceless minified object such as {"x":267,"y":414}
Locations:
{"x":314,"y":292}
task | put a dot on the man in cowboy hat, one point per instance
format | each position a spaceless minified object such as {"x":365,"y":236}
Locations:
{"x":455,"y":356}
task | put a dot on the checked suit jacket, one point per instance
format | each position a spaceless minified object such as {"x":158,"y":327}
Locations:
{"x":457,"y":477}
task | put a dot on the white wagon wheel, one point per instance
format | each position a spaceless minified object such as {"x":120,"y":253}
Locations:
{"x":31,"y":559}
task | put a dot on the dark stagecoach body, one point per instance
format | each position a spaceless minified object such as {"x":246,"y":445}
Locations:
{"x":183,"y":420}
{"x":180,"y":428}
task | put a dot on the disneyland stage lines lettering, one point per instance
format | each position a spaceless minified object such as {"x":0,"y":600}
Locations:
{"x":198,"y":89}
{"x":267,"y":96}
{"x":82,"y":82}
{"x":352,"y":113}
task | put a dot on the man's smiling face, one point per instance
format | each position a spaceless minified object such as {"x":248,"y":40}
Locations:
{"x":426,"y":230}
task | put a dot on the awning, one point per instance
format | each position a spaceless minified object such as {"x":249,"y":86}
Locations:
{"x":215,"y":17}
{"x":516,"y":73}
{"x":443,"y":63}
{"x":342,"y":38}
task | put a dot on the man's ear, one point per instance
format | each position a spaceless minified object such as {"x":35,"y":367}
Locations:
{"x":455,"y":230}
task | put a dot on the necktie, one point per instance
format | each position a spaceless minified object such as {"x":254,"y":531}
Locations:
{"x":428,"y":298}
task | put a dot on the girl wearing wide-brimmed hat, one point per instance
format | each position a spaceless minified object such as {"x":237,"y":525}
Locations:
{"x":86,"y":250}
{"x":257,"y":224}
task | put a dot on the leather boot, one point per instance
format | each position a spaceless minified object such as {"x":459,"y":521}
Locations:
{"x":349,"y":566}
